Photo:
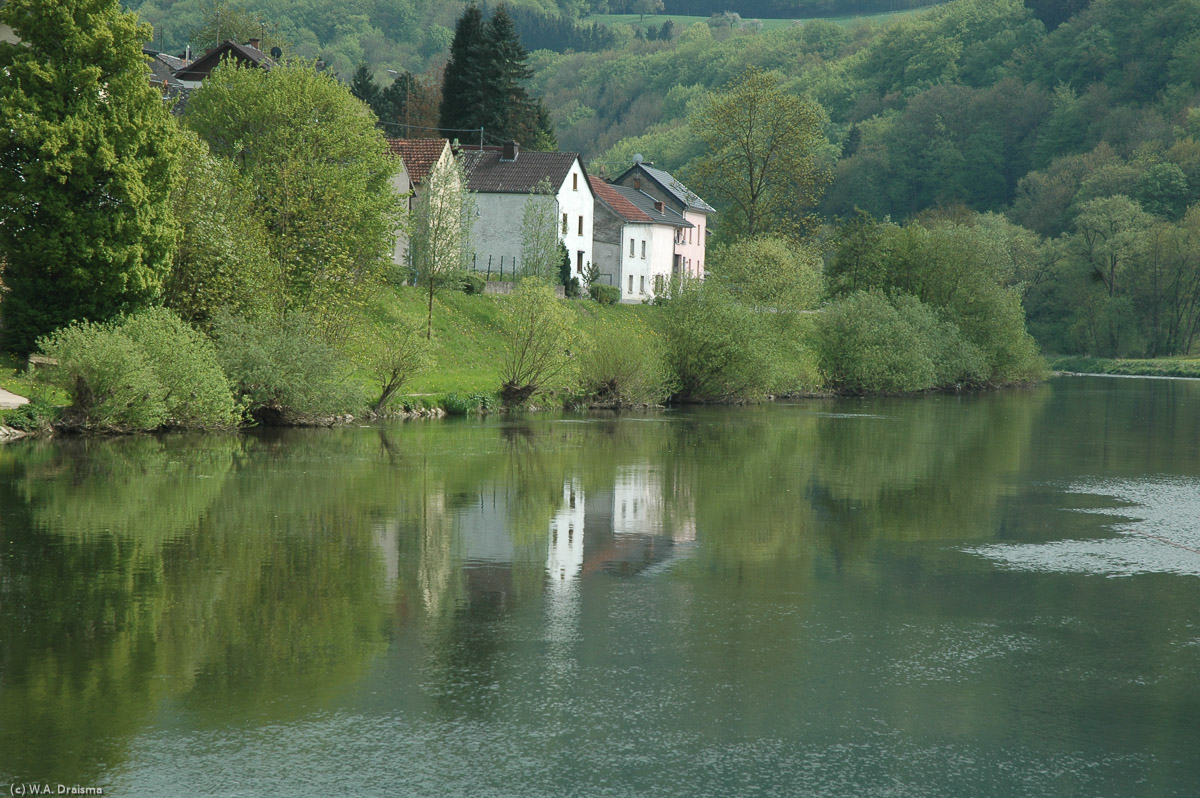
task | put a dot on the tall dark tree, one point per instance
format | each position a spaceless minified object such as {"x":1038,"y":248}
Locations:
{"x":364,"y":87}
{"x":466,"y":79}
{"x":87,"y":161}
{"x":483,"y":87}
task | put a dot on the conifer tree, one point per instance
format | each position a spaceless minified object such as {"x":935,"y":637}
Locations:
{"x":465,"y":82}
{"x":86,"y":168}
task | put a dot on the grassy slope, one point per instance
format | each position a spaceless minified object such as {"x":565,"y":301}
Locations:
{"x":1183,"y":366}
{"x":467,"y":347}
{"x":768,"y":24}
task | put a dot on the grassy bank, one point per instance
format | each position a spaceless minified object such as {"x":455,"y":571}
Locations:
{"x":1182,"y":366}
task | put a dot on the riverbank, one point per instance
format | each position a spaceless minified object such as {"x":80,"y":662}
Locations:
{"x":1184,"y":366}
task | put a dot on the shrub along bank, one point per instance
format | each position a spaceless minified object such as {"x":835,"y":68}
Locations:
{"x":702,"y":343}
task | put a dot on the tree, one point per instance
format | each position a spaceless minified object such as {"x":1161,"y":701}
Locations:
{"x":541,"y":254}
{"x":644,"y":7}
{"x":223,"y":22}
{"x":769,"y":274}
{"x":321,"y":179}
{"x":221,"y":259}
{"x":465,"y":81}
{"x":441,"y":230}
{"x":364,"y":87}
{"x":538,"y":337}
{"x":482,"y":87}
{"x":86,"y":166}
{"x":758,"y":162}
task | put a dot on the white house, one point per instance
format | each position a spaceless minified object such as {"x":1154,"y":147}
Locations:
{"x":689,"y":241}
{"x":634,"y":240}
{"x":502,"y":180}
{"x":416,"y":160}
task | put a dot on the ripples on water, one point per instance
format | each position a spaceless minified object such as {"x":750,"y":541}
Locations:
{"x":1161,"y":533}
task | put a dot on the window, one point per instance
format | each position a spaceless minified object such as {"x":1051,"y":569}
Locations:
{"x":642,"y":285}
{"x":643,"y":250}
{"x":658,"y":283}
{"x":564,"y":224}
{"x":579,"y":261}
{"x":631,"y":283}
{"x":631,"y":247}
{"x":580,"y":225}
{"x":574,"y":182}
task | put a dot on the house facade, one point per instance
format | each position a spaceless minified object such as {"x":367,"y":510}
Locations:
{"x":690,"y":243}
{"x":634,"y":240}
{"x":503,"y":180}
{"x":247,"y":55}
{"x":416,"y":161}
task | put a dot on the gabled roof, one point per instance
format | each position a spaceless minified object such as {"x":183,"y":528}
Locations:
{"x":609,"y":195}
{"x":686,"y":197}
{"x":636,"y":207}
{"x":488,"y":173}
{"x":244,"y":54}
{"x":419,"y":155}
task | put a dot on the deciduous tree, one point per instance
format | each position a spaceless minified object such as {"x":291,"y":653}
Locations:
{"x":759,"y":160}
{"x":86,"y":166}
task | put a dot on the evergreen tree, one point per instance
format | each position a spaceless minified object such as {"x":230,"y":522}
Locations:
{"x":506,"y":103}
{"x":364,"y":87}
{"x":86,"y":168}
{"x":466,"y":77}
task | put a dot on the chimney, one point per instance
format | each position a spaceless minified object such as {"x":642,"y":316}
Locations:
{"x":511,"y":151}
{"x":658,"y":206}
{"x":255,"y":43}
{"x":637,"y":184}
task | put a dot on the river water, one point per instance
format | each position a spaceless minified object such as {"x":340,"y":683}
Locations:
{"x":975,"y":595}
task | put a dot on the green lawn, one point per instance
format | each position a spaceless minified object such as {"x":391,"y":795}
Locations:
{"x":1180,"y":366}
{"x":467,"y":347}
{"x":768,"y":24}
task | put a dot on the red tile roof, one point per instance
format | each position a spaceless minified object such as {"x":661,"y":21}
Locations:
{"x":618,"y":203}
{"x":419,"y":155}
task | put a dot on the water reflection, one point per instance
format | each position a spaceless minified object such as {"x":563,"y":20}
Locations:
{"x":770,"y":585}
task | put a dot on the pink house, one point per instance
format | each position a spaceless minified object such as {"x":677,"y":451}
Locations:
{"x":689,"y":241}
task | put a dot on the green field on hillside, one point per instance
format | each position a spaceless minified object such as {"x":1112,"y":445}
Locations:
{"x":637,"y":20}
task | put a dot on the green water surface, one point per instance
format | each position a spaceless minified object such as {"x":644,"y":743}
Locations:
{"x":984,"y":595}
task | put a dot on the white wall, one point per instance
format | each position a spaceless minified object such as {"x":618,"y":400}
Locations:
{"x":576,"y":200}
{"x":638,"y":272}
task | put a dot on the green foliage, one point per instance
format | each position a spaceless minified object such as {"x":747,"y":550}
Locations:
{"x":321,"y":180}
{"x":441,"y":228}
{"x":870,"y":344}
{"x":143,"y":372}
{"x":284,"y":370}
{"x":456,"y":405}
{"x":617,"y":368}
{"x":541,"y":248}
{"x":392,"y":354}
{"x":769,"y":273}
{"x":716,"y":348}
{"x":759,"y":162}
{"x":87,"y":160}
{"x":604,"y":294}
{"x":538,"y":339}
{"x":221,"y":260}
{"x":473,"y":283}
{"x":36,"y":416}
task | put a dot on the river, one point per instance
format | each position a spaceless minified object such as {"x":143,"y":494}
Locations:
{"x":989,"y":594}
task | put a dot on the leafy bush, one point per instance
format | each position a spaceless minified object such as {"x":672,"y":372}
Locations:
{"x":870,"y":344}
{"x":283,"y":371}
{"x":716,"y":348}
{"x":538,"y":336}
{"x":572,"y":289}
{"x":456,"y":405}
{"x":605,"y":294}
{"x":197,"y":392}
{"x":392,"y":355}
{"x":142,"y":372}
{"x":473,"y":283}
{"x":615,"y":369}
{"x":35,"y":416}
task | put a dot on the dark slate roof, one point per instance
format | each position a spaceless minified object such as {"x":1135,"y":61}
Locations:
{"x":686,"y":197}
{"x":419,"y":155}
{"x":244,"y":54}
{"x":645,"y":203}
{"x":488,"y":174}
